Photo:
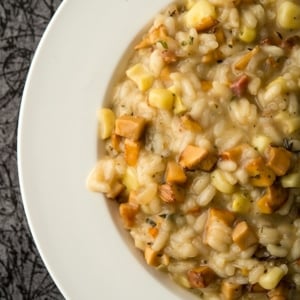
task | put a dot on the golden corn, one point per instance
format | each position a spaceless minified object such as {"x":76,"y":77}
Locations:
{"x":201,"y":16}
{"x":288,"y":15}
{"x":161,"y":98}
{"x":141,"y":76}
{"x":106,"y":121}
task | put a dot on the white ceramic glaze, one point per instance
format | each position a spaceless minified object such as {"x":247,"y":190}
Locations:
{"x":77,"y":232}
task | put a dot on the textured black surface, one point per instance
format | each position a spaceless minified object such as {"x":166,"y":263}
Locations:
{"x":22,"y":273}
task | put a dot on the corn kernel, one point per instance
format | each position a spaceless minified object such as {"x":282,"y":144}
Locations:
{"x":261,"y":142}
{"x":130,"y":179}
{"x":240,"y":203}
{"x":270,"y":279}
{"x":161,"y":98}
{"x":189,"y":4}
{"x":201,"y":16}
{"x":179,"y":107}
{"x":247,"y":34}
{"x":141,"y":76}
{"x":288,"y":15}
{"x":291,"y":180}
{"x":287,"y":123}
{"x":106,"y":121}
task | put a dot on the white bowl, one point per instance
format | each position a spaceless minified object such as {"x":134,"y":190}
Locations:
{"x":77,"y":233}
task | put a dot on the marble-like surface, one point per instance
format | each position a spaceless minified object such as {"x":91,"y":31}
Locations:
{"x":22,"y":273}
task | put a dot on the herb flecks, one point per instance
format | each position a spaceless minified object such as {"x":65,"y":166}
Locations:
{"x":190,"y":41}
{"x":164,"y":44}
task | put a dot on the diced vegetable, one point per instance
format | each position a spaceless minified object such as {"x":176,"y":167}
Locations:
{"x":156,"y":34}
{"x":209,"y":162}
{"x":179,"y":107}
{"x":261,"y":142}
{"x":150,"y":256}
{"x":131,"y":151}
{"x":239,"y":86}
{"x":128,"y":212}
{"x":240,"y":203}
{"x":206,"y":85}
{"x":247,"y":34}
{"x":106,"y":121}
{"x":192,"y":156}
{"x":220,"y":182}
{"x":130,"y":179}
{"x":278,"y":159}
{"x":161,"y":98}
{"x":231,"y":290}
{"x":182,"y":280}
{"x":290,"y":180}
{"x":131,"y":127}
{"x":272,"y":277}
{"x":170,"y":193}
{"x":280,"y":82}
{"x":201,"y":16}
{"x":244,"y":236}
{"x":242,"y":62}
{"x":288,"y":15}
{"x":234,"y":153}
{"x":175,"y":173}
{"x":259,"y":174}
{"x":274,"y":197}
{"x":280,"y":292}
{"x":189,"y":124}
{"x":141,"y":76}
{"x":201,"y":277}
{"x":219,"y":215}
{"x":288,"y":123}
{"x":115,"y":141}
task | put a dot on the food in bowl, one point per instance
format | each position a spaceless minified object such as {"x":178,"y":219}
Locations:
{"x":202,"y":144}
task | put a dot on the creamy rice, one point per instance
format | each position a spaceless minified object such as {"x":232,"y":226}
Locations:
{"x":202,"y":147}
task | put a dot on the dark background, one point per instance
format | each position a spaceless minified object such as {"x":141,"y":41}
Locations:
{"x":22,"y":273}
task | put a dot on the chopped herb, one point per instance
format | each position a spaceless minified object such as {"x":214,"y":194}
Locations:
{"x":150,"y":222}
{"x":164,"y":216}
{"x":172,"y":13}
{"x":279,"y":35}
{"x":287,"y":144}
{"x":164,"y":44}
{"x":190,"y":41}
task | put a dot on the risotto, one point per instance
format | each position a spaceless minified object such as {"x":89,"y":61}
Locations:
{"x":202,"y":146}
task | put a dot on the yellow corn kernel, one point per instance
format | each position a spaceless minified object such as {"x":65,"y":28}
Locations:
{"x":220,"y":182}
{"x":247,"y":34}
{"x":288,"y":123}
{"x":270,"y":279}
{"x":291,"y":180}
{"x":130,"y":179}
{"x":201,"y":16}
{"x":179,"y":107}
{"x":161,"y":98}
{"x":141,"y":76}
{"x":281,"y":84}
{"x":189,"y":4}
{"x":182,"y":280}
{"x":240,"y":203}
{"x":261,"y":142}
{"x":288,"y":15}
{"x":106,"y":121}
